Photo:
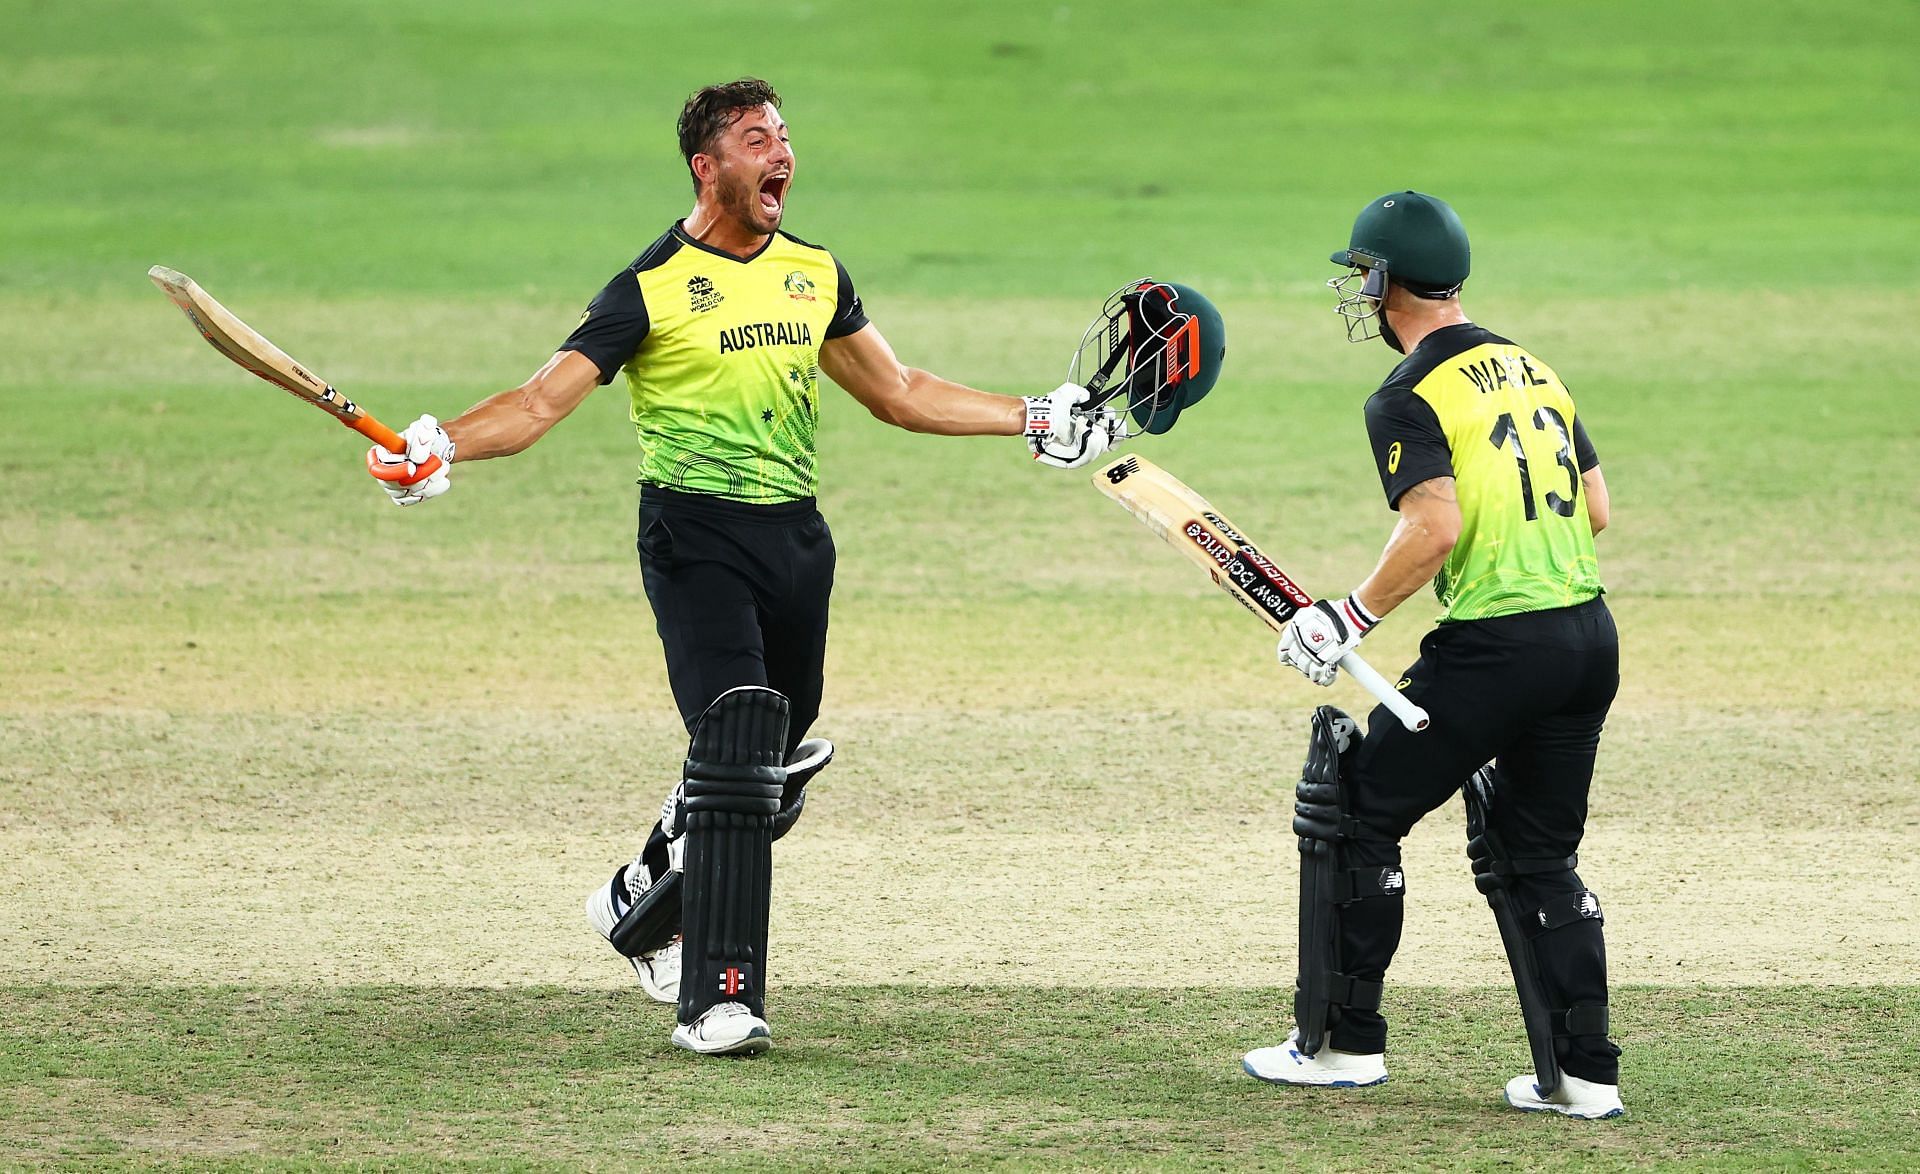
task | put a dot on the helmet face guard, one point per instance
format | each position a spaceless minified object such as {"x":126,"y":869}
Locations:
{"x":1153,"y":351}
{"x":1363,"y":296}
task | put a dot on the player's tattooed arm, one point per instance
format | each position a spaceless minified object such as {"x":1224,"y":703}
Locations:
{"x":1433,"y":489}
{"x":1429,"y":525}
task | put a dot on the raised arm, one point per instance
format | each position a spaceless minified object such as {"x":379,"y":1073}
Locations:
{"x":910,"y":398}
{"x":507,"y":423}
{"x":497,"y":426}
{"x":606,"y":337}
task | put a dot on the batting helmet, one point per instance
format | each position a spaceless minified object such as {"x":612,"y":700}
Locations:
{"x":1409,"y":238}
{"x":1415,"y":239}
{"x":1171,"y":340}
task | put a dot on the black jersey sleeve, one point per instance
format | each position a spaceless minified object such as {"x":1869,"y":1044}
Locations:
{"x":614,"y":325}
{"x":1409,"y":445}
{"x":1583,"y":447}
{"x":849,"y":316}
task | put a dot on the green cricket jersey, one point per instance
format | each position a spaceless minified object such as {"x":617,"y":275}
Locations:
{"x":722,"y":358}
{"x":1473,"y":406}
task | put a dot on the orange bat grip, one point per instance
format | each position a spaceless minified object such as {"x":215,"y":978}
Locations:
{"x":377,"y":432}
{"x":390,"y":440}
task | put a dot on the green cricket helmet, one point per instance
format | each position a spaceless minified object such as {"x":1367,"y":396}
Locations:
{"x":1410,"y":238}
{"x":1164,"y":341}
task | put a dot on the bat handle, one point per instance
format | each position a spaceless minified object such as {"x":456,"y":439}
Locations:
{"x":1410,"y":715}
{"x":377,"y":432}
{"x":390,"y":440}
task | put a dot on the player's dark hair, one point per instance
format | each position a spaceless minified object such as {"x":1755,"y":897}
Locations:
{"x":713,"y":109}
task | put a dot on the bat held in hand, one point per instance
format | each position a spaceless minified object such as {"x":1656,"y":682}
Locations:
{"x":1190,"y":524}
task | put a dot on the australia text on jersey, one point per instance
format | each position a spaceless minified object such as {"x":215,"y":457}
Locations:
{"x":759,"y":334}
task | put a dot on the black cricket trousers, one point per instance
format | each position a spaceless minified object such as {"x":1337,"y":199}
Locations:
{"x":1531,"y":691}
{"x":739,"y":595}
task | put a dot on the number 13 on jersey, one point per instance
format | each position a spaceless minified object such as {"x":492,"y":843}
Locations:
{"x":1546,"y":419}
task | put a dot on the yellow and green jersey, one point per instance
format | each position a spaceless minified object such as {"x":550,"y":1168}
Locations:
{"x":1473,"y":406}
{"x":722,"y":358}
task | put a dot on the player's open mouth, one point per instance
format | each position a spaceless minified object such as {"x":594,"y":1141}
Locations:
{"x":773,"y":193}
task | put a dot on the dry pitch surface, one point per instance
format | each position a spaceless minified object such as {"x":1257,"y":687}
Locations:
{"x":198,"y":849}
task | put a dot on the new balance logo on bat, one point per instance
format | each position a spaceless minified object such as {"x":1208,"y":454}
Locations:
{"x":1246,"y":569}
{"x":1275,"y":577}
{"x":1204,"y":538}
{"x":1252,"y":580}
{"x":1220,"y":524}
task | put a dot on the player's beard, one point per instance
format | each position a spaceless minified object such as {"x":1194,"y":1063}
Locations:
{"x":741,"y":199}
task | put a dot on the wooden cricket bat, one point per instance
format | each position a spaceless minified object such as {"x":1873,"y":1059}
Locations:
{"x":1194,"y":528}
{"x":251,"y":350}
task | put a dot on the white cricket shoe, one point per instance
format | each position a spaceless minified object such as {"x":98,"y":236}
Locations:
{"x":1573,"y":1098}
{"x":725,"y":1029}
{"x":658,"y":970}
{"x":1286,"y":1064}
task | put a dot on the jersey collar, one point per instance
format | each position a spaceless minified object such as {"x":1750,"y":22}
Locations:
{"x":1456,"y":330}
{"x":680,"y":231}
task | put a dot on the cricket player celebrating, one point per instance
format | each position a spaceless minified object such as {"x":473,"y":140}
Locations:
{"x":1499,"y":494}
{"x":722,"y":328}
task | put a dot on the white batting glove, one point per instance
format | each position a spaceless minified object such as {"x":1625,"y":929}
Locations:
{"x":1061,"y":433}
{"x":420,"y":473}
{"x":1054,"y":417}
{"x":1320,"y":635}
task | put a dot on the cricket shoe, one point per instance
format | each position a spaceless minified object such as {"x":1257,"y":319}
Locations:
{"x":725,"y":1029}
{"x":658,"y":970}
{"x":1328,"y":1068}
{"x":1573,"y":1098}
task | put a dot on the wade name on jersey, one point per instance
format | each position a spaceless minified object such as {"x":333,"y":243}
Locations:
{"x":1489,"y":375}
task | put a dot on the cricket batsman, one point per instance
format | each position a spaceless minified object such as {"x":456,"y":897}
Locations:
{"x":1500,"y":493}
{"x":722,"y":328}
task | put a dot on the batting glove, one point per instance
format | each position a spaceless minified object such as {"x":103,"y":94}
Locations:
{"x":1320,"y":635}
{"x":1061,"y":432}
{"x":1053,"y":417}
{"x":420,"y":473}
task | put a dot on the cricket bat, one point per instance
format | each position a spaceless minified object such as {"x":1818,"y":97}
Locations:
{"x":1165,"y":505}
{"x":251,"y":350}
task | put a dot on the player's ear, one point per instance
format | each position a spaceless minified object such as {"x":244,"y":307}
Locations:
{"x":704,"y":167}
{"x":1394,"y":296}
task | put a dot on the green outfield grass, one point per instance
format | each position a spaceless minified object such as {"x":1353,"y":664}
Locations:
{"x":896,"y":1077}
{"x":299,"y":792}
